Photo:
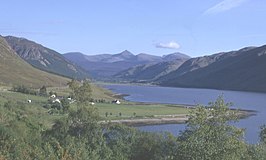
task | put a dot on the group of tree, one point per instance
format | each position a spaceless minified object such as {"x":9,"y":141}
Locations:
{"x":27,"y":90}
{"x":79,"y":135}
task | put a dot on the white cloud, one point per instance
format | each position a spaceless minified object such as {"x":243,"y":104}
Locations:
{"x":170,"y":45}
{"x":225,"y":5}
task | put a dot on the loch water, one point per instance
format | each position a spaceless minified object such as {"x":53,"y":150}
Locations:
{"x":192,"y":96}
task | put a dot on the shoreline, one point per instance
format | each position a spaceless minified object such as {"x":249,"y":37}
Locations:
{"x":167,"y":119}
{"x":150,"y":121}
{"x":165,"y":86}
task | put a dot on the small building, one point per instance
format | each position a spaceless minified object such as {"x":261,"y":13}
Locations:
{"x":29,"y":100}
{"x":53,"y":96}
{"x":116,"y":101}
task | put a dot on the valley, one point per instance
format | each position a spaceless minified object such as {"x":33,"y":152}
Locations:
{"x":51,"y":99}
{"x":133,"y":80}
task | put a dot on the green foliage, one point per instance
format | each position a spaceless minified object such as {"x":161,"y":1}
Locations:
{"x":209,"y":136}
{"x":23,"y":89}
{"x":120,"y":139}
{"x":81,"y":93}
{"x":84,"y":121}
{"x":52,"y":93}
{"x":73,"y":85}
{"x":81,"y":131}
{"x":152,"y":146}
{"x":263,"y":134}
{"x":257,"y":152}
{"x":79,"y":135}
{"x":55,"y":107}
{"x":65,"y":105}
{"x":9,"y":105}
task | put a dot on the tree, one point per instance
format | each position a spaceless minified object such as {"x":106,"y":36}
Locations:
{"x":81,"y":93}
{"x":263,"y":134}
{"x":52,"y":93}
{"x":24,"y":89}
{"x":73,"y":85}
{"x":153,"y":146}
{"x":78,"y":135}
{"x":65,"y":104}
{"x":43,"y":91}
{"x":119,"y":139}
{"x":209,"y":136}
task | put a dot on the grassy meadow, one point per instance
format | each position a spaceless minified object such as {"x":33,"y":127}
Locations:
{"x":107,"y":110}
{"x":135,"y":110}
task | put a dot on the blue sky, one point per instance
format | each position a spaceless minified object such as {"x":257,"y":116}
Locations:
{"x":193,"y":27}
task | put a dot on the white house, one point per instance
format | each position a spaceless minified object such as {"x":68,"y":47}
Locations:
{"x":56,"y":101}
{"x":29,"y":101}
{"x":53,"y":96}
{"x":116,"y":101}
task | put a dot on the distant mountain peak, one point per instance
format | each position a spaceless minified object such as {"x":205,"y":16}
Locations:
{"x":125,"y":53}
{"x":176,"y":55}
{"x":142,"y":54}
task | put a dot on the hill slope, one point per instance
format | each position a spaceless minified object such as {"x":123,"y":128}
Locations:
{"x":15,"y":71}
{"x":149,"y":72}
{"x":237,"y":70}
{"x":44,"y":58}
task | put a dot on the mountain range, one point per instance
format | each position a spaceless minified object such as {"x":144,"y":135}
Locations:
{"x":15,"y":71}
{"x":104,"y":66}
{"x":243,"y":70}
{"x":44,"y":58}
{"x":26,"y":62}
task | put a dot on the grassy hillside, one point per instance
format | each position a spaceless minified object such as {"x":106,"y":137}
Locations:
{"x":239,"y":70}
{"x":44,"y":58}
{"x":15,"y":71}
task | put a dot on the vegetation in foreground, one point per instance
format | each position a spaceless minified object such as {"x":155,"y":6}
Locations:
{"x":76,"y":134}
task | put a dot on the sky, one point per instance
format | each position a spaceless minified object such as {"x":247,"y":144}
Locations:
{"x":158,"y":27}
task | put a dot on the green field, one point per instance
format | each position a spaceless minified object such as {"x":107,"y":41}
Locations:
{"x":107,"y":110}
{"x":135,"y":110}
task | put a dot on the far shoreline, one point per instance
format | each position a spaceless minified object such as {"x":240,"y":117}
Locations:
{"x":168,"y":119}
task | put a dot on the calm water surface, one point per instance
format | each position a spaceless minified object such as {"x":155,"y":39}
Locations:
{"x":191,"y":96}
